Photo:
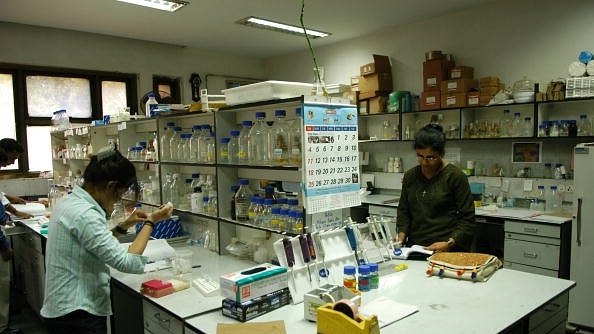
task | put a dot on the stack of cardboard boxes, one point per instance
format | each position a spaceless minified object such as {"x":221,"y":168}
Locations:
{"x":445,"y":85}
{"x":374,"y":85}
{"x":460,"y":82}
{"x":488,"y":87}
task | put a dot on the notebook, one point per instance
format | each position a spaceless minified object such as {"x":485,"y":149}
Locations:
{"x":413,"y":252}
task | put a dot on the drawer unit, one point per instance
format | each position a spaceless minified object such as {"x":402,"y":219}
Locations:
{"x":158,"y":321}
{"x":530,"y":269}
{"x":550,"y":315}
{"x":542,"y":230}
{"x":539,"y":248}
{"x":532,"y":253}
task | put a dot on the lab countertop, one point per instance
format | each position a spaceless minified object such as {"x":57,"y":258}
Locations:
{"x":443,"y":303}
{"x":522,"y":214}
{"x":385,"y":200}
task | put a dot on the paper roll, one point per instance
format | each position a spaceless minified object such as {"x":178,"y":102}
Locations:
{"x":577,"y":69}
{"x":590,"y":67}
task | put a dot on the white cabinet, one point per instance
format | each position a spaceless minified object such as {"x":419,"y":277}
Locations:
{"x":538,"y":248}
{"x":159,"y":321}
{"x":30,"y":266}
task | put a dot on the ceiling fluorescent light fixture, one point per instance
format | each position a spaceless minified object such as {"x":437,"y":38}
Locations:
{"x":280,"y":27}
{"x":167,"y":5}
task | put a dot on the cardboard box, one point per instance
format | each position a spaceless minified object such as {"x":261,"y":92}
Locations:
{"x":485,"y":99}
{"x":431,"y":100}
{"x":457,"y":86}
{"x":453,"y":100}
{"x":434,"y":72}
{"x":376,"y":76}
{"x":490,"y":90}
{"x":472,"y":99}
{"x":256,"y":307}
{"x":488,"y":81}
{"x":253,"y":282}
{"x":461,"y":72}
{"x":374,"y":105}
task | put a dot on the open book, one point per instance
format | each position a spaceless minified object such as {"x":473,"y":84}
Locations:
{"x":416,"y":251}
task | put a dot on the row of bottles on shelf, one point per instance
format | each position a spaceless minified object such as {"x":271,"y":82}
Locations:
{"x":198,"y":146}
{"x":257,"y":143}
{"x":566,"y":128}
{"x":516,"y":126}
{"x":144,"y":150}
{"x":197,"y":194}
{"x":71,"y":151}
{"x":271,"y":209}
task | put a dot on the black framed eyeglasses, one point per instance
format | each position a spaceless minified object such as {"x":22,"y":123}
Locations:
{"x":427,"y":157}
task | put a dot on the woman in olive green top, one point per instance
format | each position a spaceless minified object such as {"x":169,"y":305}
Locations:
{"x":436,"y":209}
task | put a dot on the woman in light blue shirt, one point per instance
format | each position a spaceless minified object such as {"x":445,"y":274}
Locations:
{"x":80,"y":249}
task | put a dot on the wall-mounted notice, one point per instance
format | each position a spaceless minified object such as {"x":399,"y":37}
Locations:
{"x":331,"y":157}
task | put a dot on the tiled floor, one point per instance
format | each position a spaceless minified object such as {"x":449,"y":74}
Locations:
{"x":27,"y":321}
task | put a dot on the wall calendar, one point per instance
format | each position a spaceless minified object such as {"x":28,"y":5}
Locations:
{"x":331,"y":157}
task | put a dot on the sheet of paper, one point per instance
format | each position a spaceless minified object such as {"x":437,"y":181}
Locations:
{"x":387,"y":310}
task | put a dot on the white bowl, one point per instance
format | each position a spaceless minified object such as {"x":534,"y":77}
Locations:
{"x":523,"y":96}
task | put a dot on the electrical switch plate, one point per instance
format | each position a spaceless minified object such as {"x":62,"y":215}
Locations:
{"x":561,"y":187}
{"x":527,"y":185}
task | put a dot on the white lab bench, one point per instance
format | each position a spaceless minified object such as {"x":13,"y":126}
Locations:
{"x":511,"y":301}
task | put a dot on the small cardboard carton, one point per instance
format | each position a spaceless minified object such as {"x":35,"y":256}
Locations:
{"x":376,"y":76}
{"x":253,"y":282}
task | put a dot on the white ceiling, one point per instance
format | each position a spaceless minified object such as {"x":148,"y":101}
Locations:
{"x":210,"y":24}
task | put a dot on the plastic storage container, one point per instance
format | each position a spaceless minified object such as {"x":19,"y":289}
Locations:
{"x":267,"y":90}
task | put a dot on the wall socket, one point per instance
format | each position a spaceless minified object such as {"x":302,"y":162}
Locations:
{"x":561,"y":187}
{"x":569,"y":188}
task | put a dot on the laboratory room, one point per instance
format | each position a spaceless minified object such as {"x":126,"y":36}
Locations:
{"x":215,"y":166}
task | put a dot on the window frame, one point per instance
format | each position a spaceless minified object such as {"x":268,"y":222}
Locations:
{"x":19,"y":74}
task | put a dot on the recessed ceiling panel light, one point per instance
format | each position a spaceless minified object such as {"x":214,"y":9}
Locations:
{"x":280,"y":27}
{"x":167,"y":5}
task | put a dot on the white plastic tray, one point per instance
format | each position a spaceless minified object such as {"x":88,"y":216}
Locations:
{"x":267,"y":90}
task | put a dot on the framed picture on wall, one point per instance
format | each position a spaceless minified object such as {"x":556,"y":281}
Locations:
{"x":527,"y":152}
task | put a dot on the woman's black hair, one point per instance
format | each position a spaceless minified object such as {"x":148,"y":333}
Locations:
{"x":11,"y":145}
{"x":3,"y":155}
{"x":431,"y":136}
{"x":108,"y":166}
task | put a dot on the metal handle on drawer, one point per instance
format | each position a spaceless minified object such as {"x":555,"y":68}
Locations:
{"x":158,"y":317}
{"x":530,"y":255}
{"x":530,"y":229}
{"x":553,"y":307}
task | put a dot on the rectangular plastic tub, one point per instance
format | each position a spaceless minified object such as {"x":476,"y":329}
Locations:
{"x":267,"y":90}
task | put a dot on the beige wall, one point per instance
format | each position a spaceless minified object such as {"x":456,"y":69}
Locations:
{"x":32,"y":45}
{"x":508,"y":38}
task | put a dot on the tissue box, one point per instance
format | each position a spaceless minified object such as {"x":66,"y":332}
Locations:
{"x":255,"y":307}
{"x":253,"y":282}
{"x":325,"y":294}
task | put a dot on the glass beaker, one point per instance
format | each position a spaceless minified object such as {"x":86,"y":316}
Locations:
{"x":319,"y":86}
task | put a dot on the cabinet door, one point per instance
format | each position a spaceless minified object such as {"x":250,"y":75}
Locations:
{"x":127,"y":310}
{"x":159,"y":321}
